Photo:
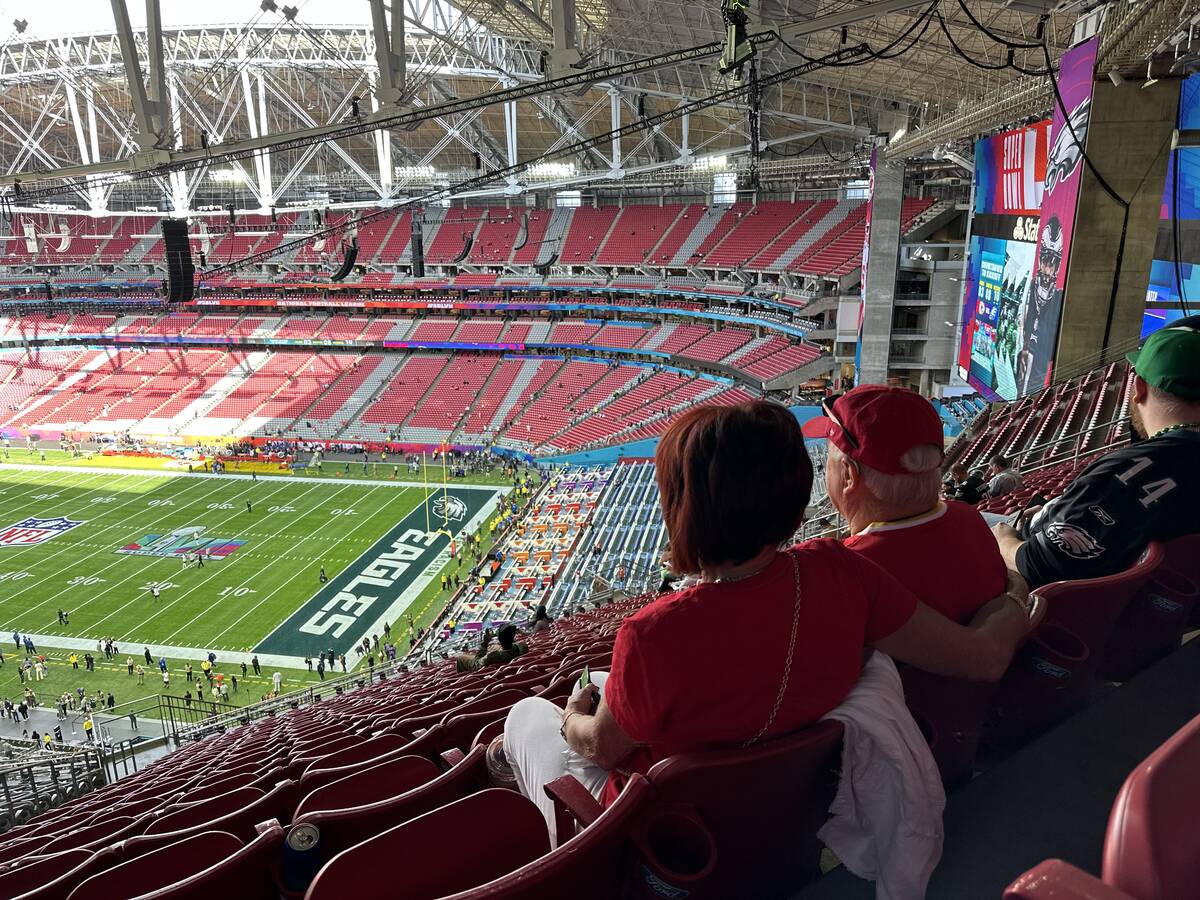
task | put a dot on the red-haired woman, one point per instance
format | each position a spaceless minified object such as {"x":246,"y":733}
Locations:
{"x":793,"y":624}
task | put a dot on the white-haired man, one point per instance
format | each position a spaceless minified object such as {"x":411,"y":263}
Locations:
{"x":883,"y":475}
{"x":1148,"y":491}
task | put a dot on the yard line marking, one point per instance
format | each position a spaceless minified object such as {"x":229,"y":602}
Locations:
{"x":81,"y":560}
{"x":236,"y":559}
{"x":151,"y":562}
{"x":280,"y":587}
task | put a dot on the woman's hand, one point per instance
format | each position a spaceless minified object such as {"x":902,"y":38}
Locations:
{"x":583,"y":701}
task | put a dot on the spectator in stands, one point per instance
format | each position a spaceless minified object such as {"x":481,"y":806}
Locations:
{"x":541,"y":621}
{"x":794,"y":624}
{"x":1002,"y":477}
{"x":965,"y":486}
{"x":1148,"y":491}
{"x":882,"y":474}
{"x":509,"y":650}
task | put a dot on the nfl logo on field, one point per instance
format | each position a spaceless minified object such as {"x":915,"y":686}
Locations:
{"x":35,"y":531}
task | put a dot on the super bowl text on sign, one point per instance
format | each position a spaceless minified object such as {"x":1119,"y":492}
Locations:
{"x":36,"y":531}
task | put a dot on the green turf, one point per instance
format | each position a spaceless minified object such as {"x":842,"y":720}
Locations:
{"x":230,"y":605}
{"x":431,"y":471}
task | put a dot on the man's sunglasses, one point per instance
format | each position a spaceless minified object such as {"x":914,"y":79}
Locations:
{"x":827,"y":408}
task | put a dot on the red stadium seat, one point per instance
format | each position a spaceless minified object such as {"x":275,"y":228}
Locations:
{"x":368,"y":785}
{"x":713,"y":825}
{"x":106,"y":831}
{"x":1057,"y":880}
{"x":253,"y":806}
{"x":205,"y":865}
{"x":1152,"y":847}
{"x":364,"y":750}
{"x":590,"y":866}
{"x":428,"y":851}
{"x":1051,"y":676}
{"x":950,"y":713}
{"x":40,"y":870}
{"x":342,"y":828}
{"x":1151,"y":626}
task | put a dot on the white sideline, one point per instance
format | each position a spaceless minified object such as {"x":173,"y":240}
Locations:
{"x":59,"y":642}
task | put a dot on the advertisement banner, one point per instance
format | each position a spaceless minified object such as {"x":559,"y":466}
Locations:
{"x":1064,"y":173}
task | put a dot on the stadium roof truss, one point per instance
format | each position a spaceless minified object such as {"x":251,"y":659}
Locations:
{"x":73,"y":111}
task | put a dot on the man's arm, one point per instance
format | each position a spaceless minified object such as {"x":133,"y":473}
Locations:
{"x":1009,"y":542}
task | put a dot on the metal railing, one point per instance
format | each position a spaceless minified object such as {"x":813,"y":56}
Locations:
{"x":42,"y":779}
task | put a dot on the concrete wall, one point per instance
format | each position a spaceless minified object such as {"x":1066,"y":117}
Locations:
{"x":882,"y":264}
{"x":1129,"y":142}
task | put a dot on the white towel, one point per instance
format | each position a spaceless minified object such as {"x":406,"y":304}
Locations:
{"x":886,"y":823}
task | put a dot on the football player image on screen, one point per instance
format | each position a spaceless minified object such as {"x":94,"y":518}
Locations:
{"x":1042,"y":311}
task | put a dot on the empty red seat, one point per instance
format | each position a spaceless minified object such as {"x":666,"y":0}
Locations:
{"x":368,"y":785}
{"x":1057,"y":880}
{"x":1152,"y":846}
{"x":428,"y":850}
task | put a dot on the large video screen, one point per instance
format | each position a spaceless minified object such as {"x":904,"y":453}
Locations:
{"x":1026,"y":191}
{"x":1010,"y":172}
{"x":1171,"y":286}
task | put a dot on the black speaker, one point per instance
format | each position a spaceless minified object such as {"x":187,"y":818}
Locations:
{"x":418,"y":247}
{"x":347,"y":264}
{"x":178,"y":253}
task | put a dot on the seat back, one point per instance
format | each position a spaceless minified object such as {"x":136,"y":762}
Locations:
{"x":1057,"y":880}
{"x":96,"y":835}
{"x":60,"y":885}
{"x":159,"y":868}
{"x":40,"y":870}
{"x":343,"y":828}
{"x":950,"y":713}
{"x":1183,"y":556}
{"x":427,"y":850}
{"x":590,"y":866}
{"x":276,"y":803}
{"x":744,"y":797}
{"x":368,"y":785}
{"x":205,"y":810}
{"x":1152,"y":847}
{"x":1051,"y":676}
{"x":362,"y":751}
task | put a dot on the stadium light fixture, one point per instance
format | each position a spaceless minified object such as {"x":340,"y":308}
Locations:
{"x":228,"y":175}
{"x":1116,"y":77}
{"x":1150,"y":79}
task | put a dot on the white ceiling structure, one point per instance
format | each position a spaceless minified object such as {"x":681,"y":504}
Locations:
{"x":250,"y":74}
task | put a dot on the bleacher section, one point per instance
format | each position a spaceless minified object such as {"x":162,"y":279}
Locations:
{"x":820,"y":237}
{"x":340,"y":391}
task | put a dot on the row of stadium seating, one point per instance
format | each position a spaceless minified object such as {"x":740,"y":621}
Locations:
{"x":426,"y":396}
{"x":821,"y":237}
{"x":397,"y":770}
{"x":1063,"y":422}
{"x":351,"y":766}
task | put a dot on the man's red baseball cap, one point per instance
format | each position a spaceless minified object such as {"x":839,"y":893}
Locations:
{"x":877,"y":425}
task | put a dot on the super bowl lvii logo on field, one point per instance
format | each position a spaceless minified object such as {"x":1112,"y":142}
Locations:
{"x":36,"y":531}
{"x":183,"y":542}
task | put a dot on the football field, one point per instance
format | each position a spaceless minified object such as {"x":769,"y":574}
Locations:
{"x":95,"y":543}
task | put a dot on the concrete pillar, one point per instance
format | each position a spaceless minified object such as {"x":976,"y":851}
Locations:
{"x":883,"y":261}
{"x":1129,"y":142}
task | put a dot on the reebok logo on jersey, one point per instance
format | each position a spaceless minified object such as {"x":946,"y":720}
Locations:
{"x":1099,"y":513}
{"x":1073,"y":541}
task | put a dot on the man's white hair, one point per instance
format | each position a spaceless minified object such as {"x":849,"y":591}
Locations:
{"x":919,"y":484}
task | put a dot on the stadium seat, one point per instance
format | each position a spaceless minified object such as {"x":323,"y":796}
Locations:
{"x":1151,"y":626}
{"x":1057,"y":880}
{"x":253,"y":806}
{"x":363,"y":751}
{"x":60,"y":887}
{"x":1152,"y":847}
{"x":342,"y":828}
{"x":1051,"y":675}
{"x":426,"y":853}
{"x":104,"y":832}
{"x":206,"y":865}
{"x":590,"y":866}
{"x":38,"y":871}
{"x":368,"y":784}
{"x":728,"y":805}
{"x":950,"y":713}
